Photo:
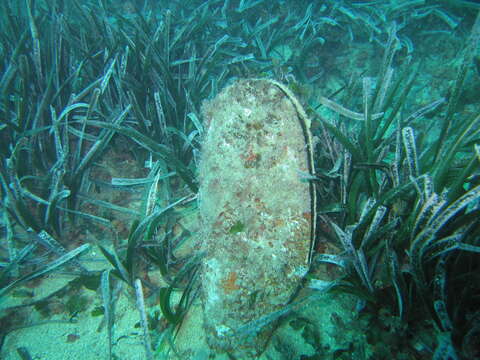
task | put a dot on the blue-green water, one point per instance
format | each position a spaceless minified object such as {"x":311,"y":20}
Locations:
{"x":102,"y":123}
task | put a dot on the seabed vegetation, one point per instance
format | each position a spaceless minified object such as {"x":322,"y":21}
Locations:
{"x":100,"y":136}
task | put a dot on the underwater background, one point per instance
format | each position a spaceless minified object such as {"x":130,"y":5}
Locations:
{"x":101,"y":134}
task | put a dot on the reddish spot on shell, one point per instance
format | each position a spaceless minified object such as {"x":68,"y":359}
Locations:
{"x":307,"y":215}
{"x":229,"y":284}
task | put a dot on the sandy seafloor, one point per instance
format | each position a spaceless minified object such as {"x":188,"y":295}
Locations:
{"x":52,"y":341}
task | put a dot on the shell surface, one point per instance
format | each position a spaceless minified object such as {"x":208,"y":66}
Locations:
{"x":257,"y":212}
